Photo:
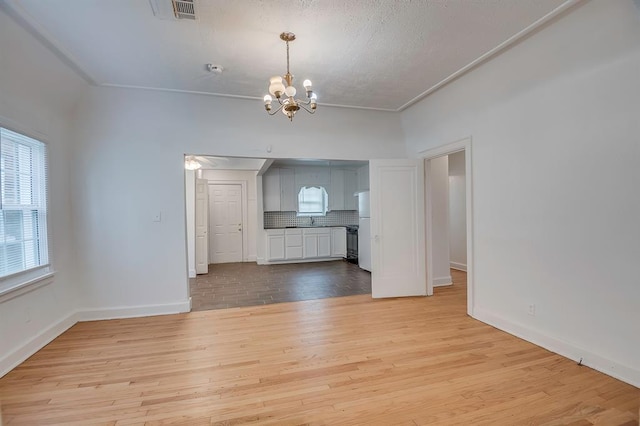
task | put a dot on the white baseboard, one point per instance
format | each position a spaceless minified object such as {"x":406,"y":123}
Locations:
{"x":134,"y":311}
{"x":442,"y":281}
{"x":252,"y":259}
{"x":18,"y":356}
{"x":458,"y":266}
{"x":566,"y":349}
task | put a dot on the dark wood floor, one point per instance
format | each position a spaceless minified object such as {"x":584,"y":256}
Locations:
{"x":231,"y":285}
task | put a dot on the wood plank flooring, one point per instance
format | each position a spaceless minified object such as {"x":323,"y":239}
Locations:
{"x":340,"y":361}
{"x":231,"y":285}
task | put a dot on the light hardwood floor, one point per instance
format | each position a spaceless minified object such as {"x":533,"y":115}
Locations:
{"x":346,"y":361}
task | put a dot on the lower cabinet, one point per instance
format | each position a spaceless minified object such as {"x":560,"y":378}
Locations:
{"x":306,"y":243}
{"x":275,"y":244}
{"x":317,"y":242}
{"x":293,"y":243}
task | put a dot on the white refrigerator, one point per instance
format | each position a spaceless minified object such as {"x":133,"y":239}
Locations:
{"x":364,"y":231}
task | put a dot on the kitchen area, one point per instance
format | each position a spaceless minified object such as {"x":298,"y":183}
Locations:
{"x":278,"y":231}
{"x":316,"y":213}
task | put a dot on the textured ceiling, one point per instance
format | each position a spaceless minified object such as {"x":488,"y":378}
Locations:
{"x":380,"y":54}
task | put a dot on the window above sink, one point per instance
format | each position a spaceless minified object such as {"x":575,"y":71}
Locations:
{"x":312,"y":201}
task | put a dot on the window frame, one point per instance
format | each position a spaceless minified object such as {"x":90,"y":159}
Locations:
{"x":325,"y":197}
{"x":25,"y":281}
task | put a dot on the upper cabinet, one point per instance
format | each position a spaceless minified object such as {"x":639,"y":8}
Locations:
{"x":288,"y":194}
{"x":282,"y":185}
{"x":271,"y":190}
{"x":278,"y":190}
{"x":313,"y":176}
{"x":337,"y":195}
{"x":363,"y":178}
{"x":350,"y":188}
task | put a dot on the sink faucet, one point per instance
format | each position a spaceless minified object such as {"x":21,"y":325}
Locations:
{"x":311,"y":219}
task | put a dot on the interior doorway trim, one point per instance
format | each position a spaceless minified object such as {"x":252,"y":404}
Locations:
{"x":447,"y":149}
{"x":245,"y":216}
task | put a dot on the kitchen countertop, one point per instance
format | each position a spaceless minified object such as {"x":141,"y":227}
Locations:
{"x":311,"y":226}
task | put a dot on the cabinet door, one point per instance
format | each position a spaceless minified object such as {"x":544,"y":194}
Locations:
{"x":275,"y":247}
{"x":336,"y":196}
{"x":324,"y":244}
{"x":288,"y":195}
{"x":338,"y":242}
{"x":310,"y":248}
{"x":271,"y":190}
{"x":363,"y":178}
{"x":350,"y":187}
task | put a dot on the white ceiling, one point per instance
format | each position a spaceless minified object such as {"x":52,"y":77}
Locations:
{"x":380,"y":54}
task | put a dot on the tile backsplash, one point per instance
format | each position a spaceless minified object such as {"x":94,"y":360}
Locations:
{"x":333,"y":218}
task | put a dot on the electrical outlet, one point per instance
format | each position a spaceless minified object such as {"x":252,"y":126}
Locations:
{"x":532,"y":310}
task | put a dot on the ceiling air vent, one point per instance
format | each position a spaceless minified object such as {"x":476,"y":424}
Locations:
{"x":184,"y":9}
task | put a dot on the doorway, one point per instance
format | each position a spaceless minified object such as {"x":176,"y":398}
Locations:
{"x":449,"y":233}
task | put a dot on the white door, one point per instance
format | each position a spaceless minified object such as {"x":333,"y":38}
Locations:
{"x":202,"y":222}
{"x":225,"y":223}
{"x":397,"y":228}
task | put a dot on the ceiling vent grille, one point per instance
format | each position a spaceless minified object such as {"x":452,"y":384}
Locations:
{"x":184,"y":9}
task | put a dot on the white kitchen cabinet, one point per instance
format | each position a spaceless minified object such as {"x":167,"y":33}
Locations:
{"x":339,"y":242}
{"x":288,"y":194}
{"x":310,"y":246}
{"x":324,"y":244}
{"x":293,"y":243}
{"x":275,"y":244}
{"x":316,"y":242}
{"x":350,"y":188}
{"x":363,"y":178}
{"x":336,"y":196}
{"x":312,"y":176}
{"x":271,"y":190}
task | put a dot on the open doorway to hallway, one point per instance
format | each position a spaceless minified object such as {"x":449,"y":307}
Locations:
{"x":449,"y":218}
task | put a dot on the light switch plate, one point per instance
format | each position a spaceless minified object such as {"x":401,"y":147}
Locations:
{"x":157,"y":217}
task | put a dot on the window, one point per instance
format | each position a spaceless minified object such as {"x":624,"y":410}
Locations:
{"x":23,"y":208}
{"x":312,"y":201}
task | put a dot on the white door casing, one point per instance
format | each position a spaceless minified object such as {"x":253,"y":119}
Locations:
{"x":202,"y":225}
{"x":397,"y":228}
{"x":226,"y":224}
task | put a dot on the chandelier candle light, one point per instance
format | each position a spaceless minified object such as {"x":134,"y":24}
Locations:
{"x":285,"y":95}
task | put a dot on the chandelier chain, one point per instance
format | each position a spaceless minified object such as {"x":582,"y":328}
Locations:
{"x":288,"y":57}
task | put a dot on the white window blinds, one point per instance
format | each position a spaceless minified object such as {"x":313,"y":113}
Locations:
{"x":23,"y":205}
{"x":312,"y":201}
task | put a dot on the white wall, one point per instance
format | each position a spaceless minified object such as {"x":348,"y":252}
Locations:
{"x":457,"y":212}
{"x":251,"y":228}
{"x":439,"y":207}
{"x":555,"y":154}
{"x":190,"y":211}
{"x":37,"y":97}
{"x":129,"y":164}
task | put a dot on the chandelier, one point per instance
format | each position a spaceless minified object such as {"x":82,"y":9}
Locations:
{"x":285,"y":95}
